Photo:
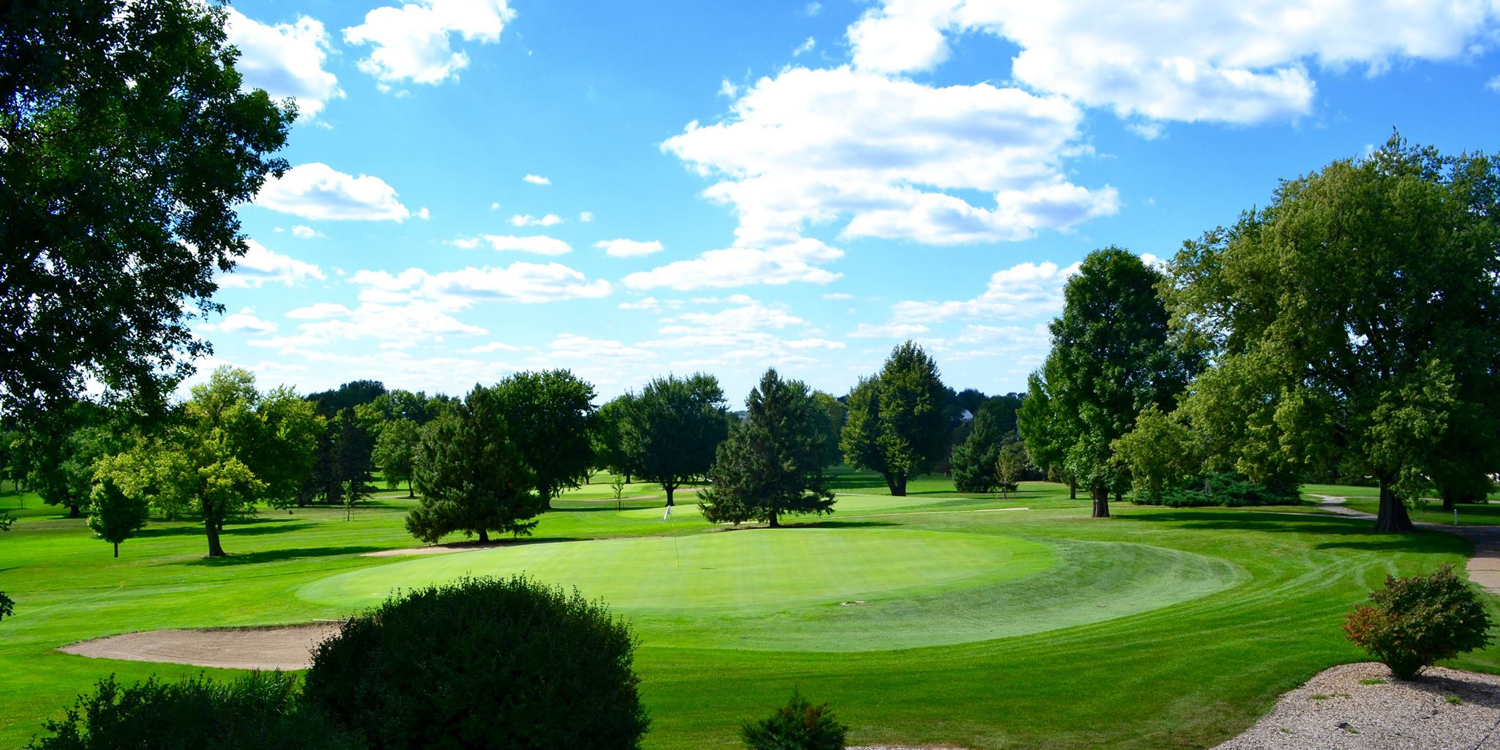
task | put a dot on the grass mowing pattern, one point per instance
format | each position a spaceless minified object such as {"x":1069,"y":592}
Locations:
{"x":794,"y":589}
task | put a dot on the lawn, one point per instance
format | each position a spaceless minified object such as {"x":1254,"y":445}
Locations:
{"x":984,"y":623}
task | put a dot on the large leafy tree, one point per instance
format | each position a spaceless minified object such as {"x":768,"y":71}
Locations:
{"x":396,"y":452}
{"x":472,"y":476}
{"x":1112,"y":356}
{"x":549,"y":416}
{"x":896,"y":424}
{"x":833,"y":415}
{"x":674,"y":427}
{"x":1357,"y":320}
{"x":772,"y":463}
{"x":126,"y":140}
{"x":1037,"y":424}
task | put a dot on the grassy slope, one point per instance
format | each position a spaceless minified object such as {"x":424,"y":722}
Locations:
{"x":1184,"y":676}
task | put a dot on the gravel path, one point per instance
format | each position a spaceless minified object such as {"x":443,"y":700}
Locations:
{"x":1345,"y":708}
{"x":286,"y":647}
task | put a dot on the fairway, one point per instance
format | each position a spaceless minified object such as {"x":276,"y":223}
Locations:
{"x":826,"y":589}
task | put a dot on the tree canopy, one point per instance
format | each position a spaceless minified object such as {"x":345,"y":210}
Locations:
{"x":896,"y":424}
{"x":674,"y":427}
{"x":549,"y":416}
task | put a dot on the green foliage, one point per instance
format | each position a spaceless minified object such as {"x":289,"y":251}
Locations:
{"x":396,"y":451}
{"x":549,"y":416}
{"x":1354,"y":319}
{"x":974,"y":460}
{"x":673,"y":429}
{"x":483,"y":663}
{"x":896,"y":424}
{"x":1038,"y":426}
{"x":799,"y":725}
{"x":115,"y":516}
{"x":1225,"y":489}
{"x":7,"y":605}
{"x":260,"y":710}
{"x":471,"y":475}
{"x":610,"y":437}
{"x":348,"y":396}
{"x":772,"y":463}
{"x":1416,"y":621}
{"x":129,"y":140}
{"x":1010,"y":462}
{"x":1160,"y":452}
{"x":831,"y":418}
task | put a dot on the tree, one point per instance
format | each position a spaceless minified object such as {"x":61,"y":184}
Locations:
{"x":674,"y":429}
{"x":974,"y":460}
{"x":473,"y":477}
{"x":280,"y":443}
{"x":896,"y":425}
{"x":772,"y":463}
{"x":1357,"y":316}
{"x":129,"y":140}
{"x":549,"y":416}
{"x":347,"y":396}
{"x":353,"y":467}
{"x":1160,"y":452}
{"x":1112,"y":356}
{"x":611,"y":439}
{"x":7,"y":605}
{"x":1037,"y":425}
{"x":1010,"y":461}
{"x":115,"y":516}
{"x":831,"y":418}
{"x":396,"y":451}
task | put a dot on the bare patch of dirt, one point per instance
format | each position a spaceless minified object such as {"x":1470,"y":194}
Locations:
{"x":285,"y":647}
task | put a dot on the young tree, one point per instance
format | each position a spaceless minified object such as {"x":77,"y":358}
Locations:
{"x":674,"y":428}
{"x":473,"y":477}
{"x":129,"y":140}
{"x":772,"y":463}
{"x":1160,"y":451}
{"x":115,"y":516}
{"x":974,"y":460}
{"x":1036,"y":423}
{"x":896,"y":425}
{"x":1010,"y":462}
{"x":396,"y":451}
{"x":1112,"y":356}
{"x":549,"y":416}
{"x":1356,"y":315}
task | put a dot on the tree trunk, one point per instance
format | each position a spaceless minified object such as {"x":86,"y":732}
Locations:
{"x":484,"y":536}
{"x":1101,"y":502}
{"x":775,"y":522}
{"x":897,"y":484}
{"x":74,"y":512}
{"x":1393,"y":516}
{"x":670,"y":489}
{"x":117,"y":549}
{"x":1449,"y":502}
{"x":409,"y":491}
{"x":1072,"y":488}
{"x":214,"y":548}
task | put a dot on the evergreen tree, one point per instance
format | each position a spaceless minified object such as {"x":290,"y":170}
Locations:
{"x":974,"y":459}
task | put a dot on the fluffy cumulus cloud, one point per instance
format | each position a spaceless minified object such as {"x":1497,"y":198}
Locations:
{"x":1022,"y":291}
{"x":1201,"y":60}
{"x":746,"y":333}
{"x":245,"y":320}
{"x":261,"y":265}
{"x":518,"y":282}
{"x":406,"y":322}
{"x":778,"y":263}
{"x":888,"y":331}
{"x":539,"y":244}
{"x":527,"y":220}
{"x":536,"y":179}
{"x":318,"y":191}
{"x":623,"y":248}
{"x":414,"y":42}
{"x":287,"y":60}
{"x":890,"y":155}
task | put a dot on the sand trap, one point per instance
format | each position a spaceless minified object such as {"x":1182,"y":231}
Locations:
{"x":285,"y":647}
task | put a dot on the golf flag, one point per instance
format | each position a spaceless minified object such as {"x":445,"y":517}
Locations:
{"x":668,"y":515}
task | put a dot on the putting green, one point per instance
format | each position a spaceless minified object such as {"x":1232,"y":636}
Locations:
{"x":826,"y":589}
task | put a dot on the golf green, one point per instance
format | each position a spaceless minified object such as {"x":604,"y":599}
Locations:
{"x":849,"y":589}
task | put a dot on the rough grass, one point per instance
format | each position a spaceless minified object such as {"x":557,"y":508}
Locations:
{"x":1186,"y":675}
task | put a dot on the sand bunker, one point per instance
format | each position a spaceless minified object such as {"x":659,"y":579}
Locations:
{"x":284,"y":647}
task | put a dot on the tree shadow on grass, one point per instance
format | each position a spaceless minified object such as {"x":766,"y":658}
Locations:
{"x":278,"y":555}
{"x":1351,"y":533}
{"x":232,"y":530}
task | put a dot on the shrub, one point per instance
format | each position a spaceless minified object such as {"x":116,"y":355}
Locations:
{"x":483,"y":663}
{"x":798,"y":725}
{"x":1416,"y":621}
{"x":258,"y":711}
{"x":1229,"y":490}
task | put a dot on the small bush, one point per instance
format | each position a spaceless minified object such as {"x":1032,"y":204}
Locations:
{"x":798,"y":725}
{"x":1225,"y":490}
{"x":1416,"y":621}
{"x":483,"y":663}
{"x":250,"y":713}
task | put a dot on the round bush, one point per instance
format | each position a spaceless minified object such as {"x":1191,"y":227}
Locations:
{"x":799,"y":725}
{"x":483,"y":663}
{"x":1416,"y":621}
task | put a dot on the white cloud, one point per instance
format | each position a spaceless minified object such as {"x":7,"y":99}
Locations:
{"x":647,"y":303}
{"x":411,"y":320}
{"x":306,"y":232}
{"x":813,"y":9}
{"x":1493,"y":84}
{"x":727,"y":89}
{"x":245,"y":320}
{"x":424,"y":214}
{"x":1206,"y":60}
{"x":574,"y":346}
{"x":806,"y":46}
{"x":320,"y":311}
{"x":414,"y":42}
{"x":285,"y":59}
{"x":740,"y":266}
{"x":1023,"y":290}
{"x":495,"y":206}
{"x":888,"y":331}
{"x":811,"y":146}
{"x":623,"y":248}
{"x":261,"y":265}
{"x":739,"y":336}
{"x":527,"y":220}
{"x":539,"y":244}
{"x":318,"y":191}
{"x":838,"y":295}
{"x":518,"y":282}
{"x":586,"y":216}
{"x":536,"y":179}
{"x":490,"y":348}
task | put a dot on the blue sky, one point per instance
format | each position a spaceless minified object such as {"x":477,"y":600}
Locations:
{"x":627,"y":190}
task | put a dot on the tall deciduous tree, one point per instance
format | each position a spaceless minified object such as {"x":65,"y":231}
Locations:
{"x":611,"y":438}
{"x":472,"y":476}
{"x":1037,"y":424}
{"x":1359,"y":313}
{"x":674,"y":428}
{"x":396,"y":452}
{"x":896,"y":424}
{"x":128,"y":141}
{"x":549,"y":415}
{"x":772,"y":463}
{"x":1112,"y":356}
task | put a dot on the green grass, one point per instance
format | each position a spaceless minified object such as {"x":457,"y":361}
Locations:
{"x":1104,"y":647}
